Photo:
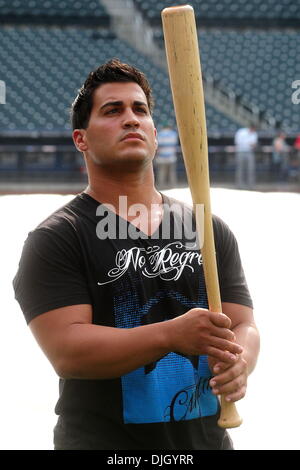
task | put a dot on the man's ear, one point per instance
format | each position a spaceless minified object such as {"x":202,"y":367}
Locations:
{"x":156,"y":142}
{"x":79,"y":139}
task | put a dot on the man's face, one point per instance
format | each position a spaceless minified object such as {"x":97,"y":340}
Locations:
{"x":120,"y":130}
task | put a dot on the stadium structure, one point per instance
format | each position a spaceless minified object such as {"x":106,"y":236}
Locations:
{"x":250,"y":53}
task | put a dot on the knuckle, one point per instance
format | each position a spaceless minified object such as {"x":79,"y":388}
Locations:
{"x":237,"y":383}
{"x":232,"y":377}
{"x":243,"y":366}
{"x":241,"y":387}
{"x":194,"y":310}
{"x":231,"y":347}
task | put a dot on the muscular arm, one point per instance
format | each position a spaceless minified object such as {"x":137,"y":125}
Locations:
{"x":79,"y":349}
{"x":245,"y":330}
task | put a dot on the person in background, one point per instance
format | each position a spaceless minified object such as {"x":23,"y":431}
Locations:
{"x":280,"y":156}
{"x":166,"y":157}
{"x":245,"y":141}
{"x":294,"y":163}
{"x":297,"y":145}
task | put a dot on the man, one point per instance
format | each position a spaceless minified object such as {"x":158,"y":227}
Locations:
{"x":167,"y":157}
{"x":119,"y":305}
{"x":245,"y":141}
{"x":280,"y":157}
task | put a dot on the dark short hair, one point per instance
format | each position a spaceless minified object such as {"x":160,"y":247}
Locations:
{"x":111,"y":71}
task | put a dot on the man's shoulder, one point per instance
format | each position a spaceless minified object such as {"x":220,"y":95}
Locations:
{"x":60,"y":232}
{"x":220,"y":227}
{"x":68,"y":213}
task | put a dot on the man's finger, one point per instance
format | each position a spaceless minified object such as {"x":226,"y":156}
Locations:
{"x":226,"y":345}
{"x":238,"y":395}
{"x":222,"y":355}
{"x":220,"y":319}
{"x":220,"y":367}
{"x":224,"y":333}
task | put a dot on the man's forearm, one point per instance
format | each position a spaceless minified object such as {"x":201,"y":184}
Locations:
{"x":99,"y":352}
{"x":248,"y":337}
{"x":245,"y":330}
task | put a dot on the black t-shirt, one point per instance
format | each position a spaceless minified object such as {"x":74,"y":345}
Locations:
{"x":130,"y":282}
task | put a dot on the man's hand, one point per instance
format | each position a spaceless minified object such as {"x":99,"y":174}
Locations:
{"x":230,"y":379}
{"x":200,"y":331}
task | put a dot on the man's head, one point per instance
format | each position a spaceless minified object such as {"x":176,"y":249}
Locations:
{"x":112,"y":71}
{"x":112,"y":121}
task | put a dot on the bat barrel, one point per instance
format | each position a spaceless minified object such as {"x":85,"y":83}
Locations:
{"x":182,"y":51}
{"x":181,"y":42}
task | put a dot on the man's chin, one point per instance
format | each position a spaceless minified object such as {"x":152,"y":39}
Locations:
{"x":130,"y":163}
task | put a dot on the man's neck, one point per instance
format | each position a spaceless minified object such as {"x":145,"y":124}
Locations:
{"x":138,"y":188}
{"x":133,"y":197}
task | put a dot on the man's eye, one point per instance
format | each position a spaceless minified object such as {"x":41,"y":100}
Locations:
{"x":112,"y":111}
{"x":142,"y":110}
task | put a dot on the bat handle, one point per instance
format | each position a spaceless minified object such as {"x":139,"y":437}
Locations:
{"x":229,"y":417}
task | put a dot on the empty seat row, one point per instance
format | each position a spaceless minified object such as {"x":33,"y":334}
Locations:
{"x":43,"y":67}
{"x":51,"y":8}
{"x":62,"y":12}
{"x":258,"y":66}
{"x":280,"y":10}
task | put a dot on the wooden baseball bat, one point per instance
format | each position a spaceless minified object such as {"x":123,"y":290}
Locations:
{"x":181,"y":43}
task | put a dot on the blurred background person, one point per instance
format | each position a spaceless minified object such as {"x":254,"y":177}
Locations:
{"x":280,"y":157}
{"x":297,"y":145}
{"x":245,"y":141}
{"x":166,"y":158}
{"x":294,"y":161}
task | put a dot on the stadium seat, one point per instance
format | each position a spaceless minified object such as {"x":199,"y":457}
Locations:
{"x":220,"y":10}
{"x":44,"y":64}
{"x":55,"y":11}
{"x":44,"y":67}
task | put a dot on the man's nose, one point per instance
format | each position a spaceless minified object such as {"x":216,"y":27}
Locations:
{"x":130,"y":119}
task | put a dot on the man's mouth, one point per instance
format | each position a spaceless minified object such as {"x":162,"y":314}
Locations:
{"x":133,"y":136}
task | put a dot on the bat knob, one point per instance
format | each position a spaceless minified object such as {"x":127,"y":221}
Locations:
{"x":229,"y":417}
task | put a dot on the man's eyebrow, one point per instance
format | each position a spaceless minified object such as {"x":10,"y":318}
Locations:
{"x":120,"y":103}
{"x":112,"y":103}
{"x":140,"y":103}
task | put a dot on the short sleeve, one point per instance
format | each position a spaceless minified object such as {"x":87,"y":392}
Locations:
{"x":50,"y":273}
{"x":233,"y":284}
